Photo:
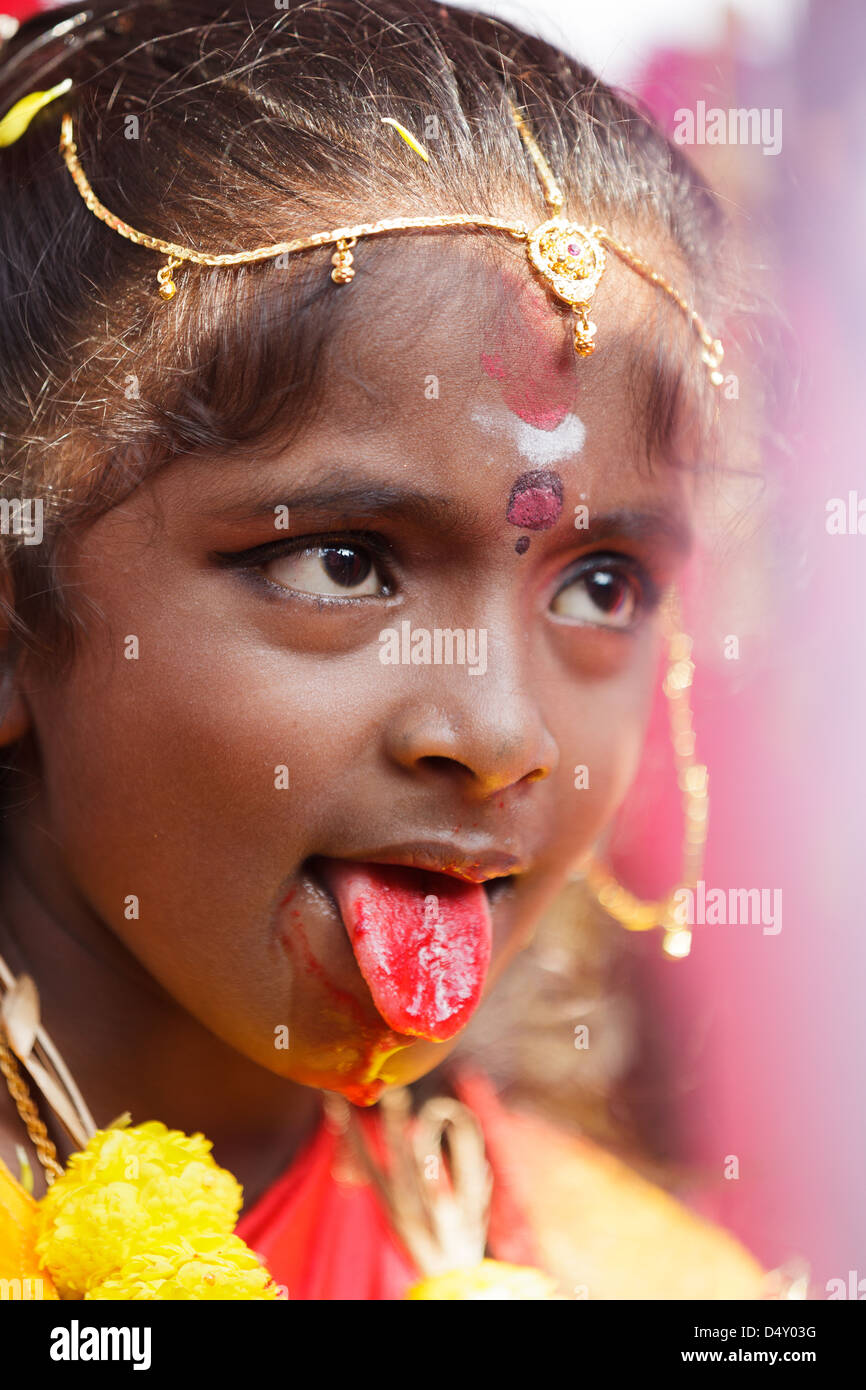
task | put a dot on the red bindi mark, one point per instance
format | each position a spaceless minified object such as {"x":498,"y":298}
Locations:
{"x":532,"y":358}
{"x":535,"y":502}
{"x":522,"y":545}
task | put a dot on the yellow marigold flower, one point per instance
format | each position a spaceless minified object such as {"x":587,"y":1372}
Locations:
{"x":205,"y":1267}
{"x":125,"y":1190}
{"x":491,"y":1279}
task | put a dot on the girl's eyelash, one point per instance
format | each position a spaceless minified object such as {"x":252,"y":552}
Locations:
{"x":258,"y":555}
{"x":650,"y":590}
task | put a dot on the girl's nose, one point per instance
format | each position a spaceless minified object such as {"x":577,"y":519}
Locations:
{"x":489,"y":732}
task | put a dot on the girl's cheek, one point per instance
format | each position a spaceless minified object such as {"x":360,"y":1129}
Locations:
{"x":600,"y":748}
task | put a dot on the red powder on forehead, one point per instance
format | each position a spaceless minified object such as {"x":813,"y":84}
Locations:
{"x":535,"y":501}
{"x":532,"y":357}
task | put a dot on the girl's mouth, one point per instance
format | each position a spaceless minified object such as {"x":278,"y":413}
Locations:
{"x":421,"y":939}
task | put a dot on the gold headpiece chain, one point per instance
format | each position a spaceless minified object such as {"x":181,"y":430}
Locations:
{"x":569,"y":258}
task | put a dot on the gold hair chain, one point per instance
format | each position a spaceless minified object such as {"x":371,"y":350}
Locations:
{"x":570,"y":258}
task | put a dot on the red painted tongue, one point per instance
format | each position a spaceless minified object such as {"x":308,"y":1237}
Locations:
{"x":421,"y":939}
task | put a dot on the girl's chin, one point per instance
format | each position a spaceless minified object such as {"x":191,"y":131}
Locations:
{"x":382,"y":1067}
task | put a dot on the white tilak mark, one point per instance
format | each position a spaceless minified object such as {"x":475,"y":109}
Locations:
{"x":538,"y":447}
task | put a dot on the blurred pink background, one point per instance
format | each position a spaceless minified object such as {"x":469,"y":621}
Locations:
{"x":772,"y":1026}
{"x":765,"y":1033}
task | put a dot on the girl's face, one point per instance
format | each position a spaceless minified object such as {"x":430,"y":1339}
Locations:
{"x":258,"y":702}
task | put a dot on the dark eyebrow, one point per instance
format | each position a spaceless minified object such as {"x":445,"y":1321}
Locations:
{"x":342,"y":497}
{"x":648,"y":525}
{"x":666,"y":525}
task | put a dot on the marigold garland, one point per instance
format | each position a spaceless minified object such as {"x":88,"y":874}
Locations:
{"x":143,"y":1213}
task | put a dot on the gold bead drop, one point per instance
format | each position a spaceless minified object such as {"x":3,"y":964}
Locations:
{"x":342,"y":260}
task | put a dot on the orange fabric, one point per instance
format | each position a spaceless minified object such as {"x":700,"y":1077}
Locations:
{"x":603,"y":1230}
{"x":18,"y":1237}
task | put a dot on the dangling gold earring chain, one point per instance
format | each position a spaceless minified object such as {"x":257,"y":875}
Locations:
{"x":632,"y":912}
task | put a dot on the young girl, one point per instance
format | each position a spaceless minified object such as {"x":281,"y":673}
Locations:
{"x":331,"y":565}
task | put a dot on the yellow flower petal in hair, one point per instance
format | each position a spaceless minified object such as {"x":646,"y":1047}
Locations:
{"x":407,"y":136}
{"x":19,"y":116}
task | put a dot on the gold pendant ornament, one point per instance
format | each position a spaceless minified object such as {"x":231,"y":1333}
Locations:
{"x":571,"y":260}
{"x":442,"y":1222}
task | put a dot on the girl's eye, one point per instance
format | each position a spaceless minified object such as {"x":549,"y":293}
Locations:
{"x":327,"y":569}
{"x":601,"y":595}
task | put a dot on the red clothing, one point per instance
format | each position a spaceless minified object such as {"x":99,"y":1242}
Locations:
{"x":323,"y":1233}
{"x":23,"y":9}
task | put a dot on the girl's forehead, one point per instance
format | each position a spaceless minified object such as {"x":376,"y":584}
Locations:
{"x":467,"y":346}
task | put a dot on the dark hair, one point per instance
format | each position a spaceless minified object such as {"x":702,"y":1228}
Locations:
{"x":256,"y":123}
